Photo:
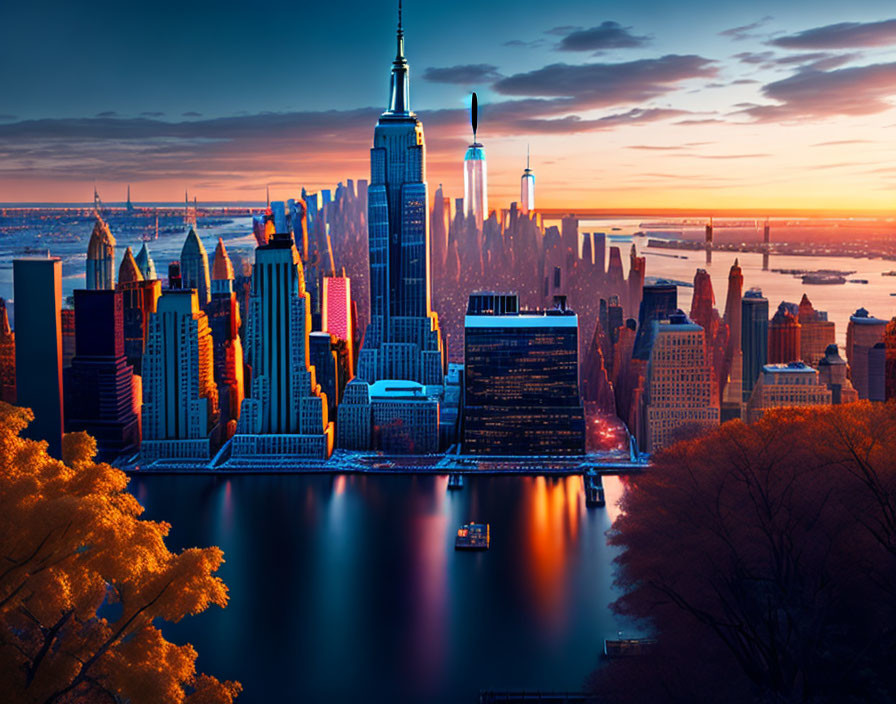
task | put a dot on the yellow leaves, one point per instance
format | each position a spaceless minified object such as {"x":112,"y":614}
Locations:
{"x":71,"y":540}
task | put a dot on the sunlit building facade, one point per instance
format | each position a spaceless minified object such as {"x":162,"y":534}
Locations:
{"x":521,"y":383}
{"x":139,"y":298}
{"x":101,"y":257}
{"x":784,"y":385}
{"x":527,"y":189}
{"x":679,"y":390}
{"x":862,"y":334}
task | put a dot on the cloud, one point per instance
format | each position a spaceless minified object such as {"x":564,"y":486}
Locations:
{"x":520,"y":44}
{"x":573,"y":123}
{"x":859,"y":90}
{"x":837,"y":142}
{"x":730,"y":156}
{"x":107,"y":113}
{"x":841,"y":36}
{"x":152,"y":114}
{"x":654,"y":147}
{"x":595,"y":85}
{"x":464,"y":75}
{"x":746,"y":31}
{"x":820,"y":60}
{"x":608,"y":35}
{"x":191,"y":113}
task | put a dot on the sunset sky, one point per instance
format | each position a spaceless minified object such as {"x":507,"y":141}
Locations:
{"x":634,"y":103}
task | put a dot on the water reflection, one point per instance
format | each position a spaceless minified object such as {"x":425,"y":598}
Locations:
{"x":343,"y":585}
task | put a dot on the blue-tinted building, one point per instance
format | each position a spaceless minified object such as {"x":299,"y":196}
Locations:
{"x":37,"y":285}
{"x":99,"y":385}
{"x":754,"y":337}
{"x":521,"y":379}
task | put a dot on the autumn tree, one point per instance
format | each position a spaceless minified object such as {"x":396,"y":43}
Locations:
{"x":84,"y":581}
{"x":763,"y":558}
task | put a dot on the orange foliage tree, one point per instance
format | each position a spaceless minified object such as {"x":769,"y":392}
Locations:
{"x":83,"y":580}
{"x":763,"y":559}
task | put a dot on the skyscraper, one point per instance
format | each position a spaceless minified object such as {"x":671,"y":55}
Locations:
{"x":403,"y":340}
{"x":101,"y":257}
{"x":679,"y":385}
{"x":521,"y":371}
{"x":862,"y":334}
{"x":285,"y":412}
{"x":784,"y":335}
{"x":194,"y":267}
{"x":37,"y":284}
{"x":145,"y":263}
{"x":7,"y":357}
{"x":224,"y":320}
{"x":527,"y":188}
{"x":754,"y":338}
{"x":658,"y":301}
{"x":99,"y":386}
{"x":139,"y":299}
{"x":180,"y":399}
{"x":733,"y":394}
{"x":475,"y":177}
{"x":817,"y":333}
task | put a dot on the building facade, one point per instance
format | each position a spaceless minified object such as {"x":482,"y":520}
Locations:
{"x":194,"y":267}
{"x":862,"y":334}
{"x":180,"y":399}
{"x":754,"y":338}
{"x":285,"y":411}
{"x":678,"y":398}
{"x":139,"y":298}
{"x":37,"y":284}
{"x":784,"y":385}
{"x":521,"y":383}
{"x":99,"y":386}
{"x":101,"y":257}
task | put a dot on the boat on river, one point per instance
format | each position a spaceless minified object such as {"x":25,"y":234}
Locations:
{"x":472,"y":536}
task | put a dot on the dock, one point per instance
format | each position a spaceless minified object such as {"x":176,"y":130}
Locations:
{"x":628,"y":647}
{"x":472,"y":536}
{"x":455,"y":481}
{"x":594,"y":490}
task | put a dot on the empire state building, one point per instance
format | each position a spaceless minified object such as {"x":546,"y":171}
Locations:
{"x":403,"y":341}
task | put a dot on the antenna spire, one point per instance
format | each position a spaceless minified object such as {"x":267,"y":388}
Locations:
{"x":474,"y":116}
{"x":527,"y":157}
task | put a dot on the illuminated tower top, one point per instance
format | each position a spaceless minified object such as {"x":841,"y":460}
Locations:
{"x":101,"y":257}
{"x":527,"y":187}
{"x":400,"y":88}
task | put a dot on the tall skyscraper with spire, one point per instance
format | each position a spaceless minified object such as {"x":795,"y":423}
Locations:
{"x":403,"y":342}
{"x":527,"y":188}
{"x":475,"y":175}
{"x":403,"y":339}
{"x":101,"y":257}
{"x":194,"y":267}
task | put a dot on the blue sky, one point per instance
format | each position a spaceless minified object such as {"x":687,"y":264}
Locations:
{"x":90,"y":91}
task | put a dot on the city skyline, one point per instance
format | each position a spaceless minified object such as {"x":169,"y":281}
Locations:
{"x":622,"y":108}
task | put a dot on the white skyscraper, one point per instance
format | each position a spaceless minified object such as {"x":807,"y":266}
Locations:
{"x":475,"y":175}
{"x":527,"y":188}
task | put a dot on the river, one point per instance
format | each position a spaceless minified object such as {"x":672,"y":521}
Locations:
{"x":348,"y":586}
